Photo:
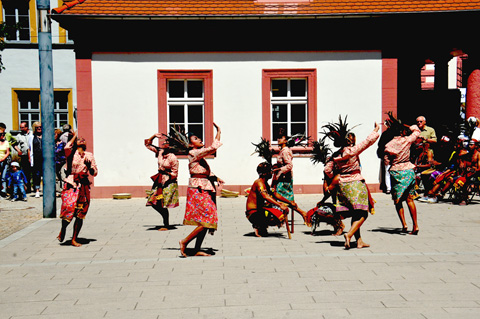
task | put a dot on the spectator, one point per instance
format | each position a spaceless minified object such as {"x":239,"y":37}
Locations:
{"x":23,"y":141}
{"x":18,"y":181}
{"x":4,"y":161}
{"x":36,"y":157}
{"x":60,"y":158}
{"x":427,"y":133}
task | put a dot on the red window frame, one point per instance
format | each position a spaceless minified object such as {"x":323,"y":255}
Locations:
{"x":311,"y":76}
{"x":206,"y":75}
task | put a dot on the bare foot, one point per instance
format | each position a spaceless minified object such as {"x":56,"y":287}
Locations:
{"x":362,"y":244}
{"x":347,"y":241}
{"x":74,"y":243}
{"x":182,"y":248}
{"x":339,"y":230}
{"x":61,"y":237}
{"x":202,"y":253}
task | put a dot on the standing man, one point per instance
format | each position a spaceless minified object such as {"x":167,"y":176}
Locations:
{"x":23,"y":141}
{"x":427,"y":133}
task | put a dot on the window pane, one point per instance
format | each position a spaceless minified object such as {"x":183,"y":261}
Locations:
{"x":176,"y":114}
{"x":195,"y":114}
{"x":298,"y":87}
{"x":61,"y":100}
{"x":63,"y":117}
{"x":279,"y":88}
{"x":35,"y":117}
{"x":298,"y":113}
{"x":176,"y":88}
{"x":298,"y":129}
{"x":196,"y":129}
{"x":279,"y":113}
{"x":24,"y":117}
{"x":276,"y":128}
{"x":195,"y":89}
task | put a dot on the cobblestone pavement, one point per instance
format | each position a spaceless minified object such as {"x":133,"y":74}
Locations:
{"x":18,"y":215}
{"x":128,"y":269}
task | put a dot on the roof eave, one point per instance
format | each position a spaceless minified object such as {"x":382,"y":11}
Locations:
{"x":247,"y":17}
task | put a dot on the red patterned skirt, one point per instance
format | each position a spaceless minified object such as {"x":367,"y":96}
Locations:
{"x":200,"y":209}
{"x":75,"y":202}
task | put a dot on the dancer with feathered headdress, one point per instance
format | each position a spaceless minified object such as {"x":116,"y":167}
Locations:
{"x":282,"y":181}
{"x":402,"y":174}
{"x":164,"y":193}
{"x":325,"y":212}
{"x":353,"y":194}
{"x":201,"y":208}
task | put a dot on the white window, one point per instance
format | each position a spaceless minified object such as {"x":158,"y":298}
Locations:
{"x":29,"y":107}
{"x":16,"y":13}
{"x":289,"y":106}
{"x":185,"y":99}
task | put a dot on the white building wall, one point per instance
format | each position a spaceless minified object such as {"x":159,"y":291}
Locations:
{"x":22,"y":71}
{"x":125,"y":109}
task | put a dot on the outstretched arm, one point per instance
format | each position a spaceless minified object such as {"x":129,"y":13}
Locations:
{"x":219,"y":132}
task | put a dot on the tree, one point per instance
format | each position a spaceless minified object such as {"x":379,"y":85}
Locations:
{"x":4,"y":31}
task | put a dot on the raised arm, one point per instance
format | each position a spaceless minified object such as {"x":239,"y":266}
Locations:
{"x":149,"y":145}
{"x":362,"y":146}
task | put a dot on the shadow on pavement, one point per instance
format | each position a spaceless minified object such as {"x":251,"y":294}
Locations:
{"x":82,"y":241}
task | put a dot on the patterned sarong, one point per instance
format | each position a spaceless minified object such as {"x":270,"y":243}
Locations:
{"x":285,"y":189}
{"x":200,"y":209}
{"x":75,"y":202}
{"x":165,"y":197}
{"x":403,"y":185}
{"x":353,"y":196}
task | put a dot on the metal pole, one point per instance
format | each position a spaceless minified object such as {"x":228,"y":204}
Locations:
{"x":47,"y":104}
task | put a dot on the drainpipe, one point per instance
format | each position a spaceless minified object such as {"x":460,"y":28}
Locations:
{"x":47,"y":104}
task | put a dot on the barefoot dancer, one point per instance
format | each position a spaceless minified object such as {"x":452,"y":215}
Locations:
{"x":402,"y":174}
{"x":260,"y":200}
{"x":76,"y":189}
{"x":353,"y":194}
{"x":201,"y":210}
{"x":283,"y":175}
{"x":165,"y":187}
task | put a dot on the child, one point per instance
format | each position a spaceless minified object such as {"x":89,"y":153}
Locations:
{"x":18,"y":181}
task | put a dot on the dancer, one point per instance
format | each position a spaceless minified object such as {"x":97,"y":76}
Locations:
{"x":164,"y":194}
{"x":402,"y":173}
{"x":265,"y":207}
{"x":201,"y":210}
{"x":282,"y":182}
{"x":76,"y":188}
{"x":323,"y":212}
{"x":353,"y":194}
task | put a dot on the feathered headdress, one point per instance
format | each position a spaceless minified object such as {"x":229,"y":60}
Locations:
{"x":394,"y":124}
{"x":297,"y":140}
{"x":320,"y":152}
{"x":338,"y":132}
{"x":177,"y":140}
{"x":264,"y":150}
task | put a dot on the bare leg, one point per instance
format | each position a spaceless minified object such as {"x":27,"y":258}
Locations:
{"x":61,"y":235}
{"x":76,"y":230}
{"x":413,"y":213}
{"x":198,"y":243}
{"x":164,"y":212}
{"x":401,"y":215}
{"x":358,"y":218}
{"x":184,"y":242}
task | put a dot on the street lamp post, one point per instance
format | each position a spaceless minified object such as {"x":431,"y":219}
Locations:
{"x":47,"y":104}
